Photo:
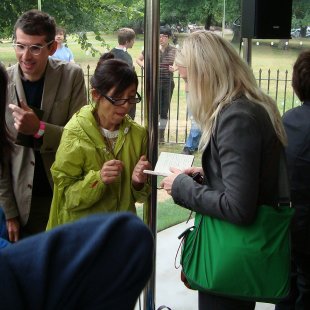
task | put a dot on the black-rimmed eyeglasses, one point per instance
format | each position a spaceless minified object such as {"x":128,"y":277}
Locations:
{"x":122,"y":101}
{"x":33,"y":49}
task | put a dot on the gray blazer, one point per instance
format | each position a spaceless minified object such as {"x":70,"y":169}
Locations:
{"x":64,"y":93}
{"x":240,"y":165}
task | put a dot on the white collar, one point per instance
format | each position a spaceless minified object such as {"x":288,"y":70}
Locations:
{"x":123,"y":48}
{"x":109,"y":134}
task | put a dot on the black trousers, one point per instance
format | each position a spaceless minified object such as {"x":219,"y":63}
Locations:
{"x":299,"y":297}
{"x":100,"y":262}
{"x":38,"y":217}
{"x":166,"y":88}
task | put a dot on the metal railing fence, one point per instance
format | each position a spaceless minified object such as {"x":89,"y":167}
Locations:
{"x":276,"y":84}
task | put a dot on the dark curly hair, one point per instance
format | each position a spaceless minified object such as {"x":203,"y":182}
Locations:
{"x":301,"y":76}
{"x":37,"y":23}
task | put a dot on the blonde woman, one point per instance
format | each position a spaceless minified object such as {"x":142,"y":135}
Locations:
{"x":242,"y":137}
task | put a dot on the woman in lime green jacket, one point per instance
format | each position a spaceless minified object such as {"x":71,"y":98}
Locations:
{"x":102,"y":154}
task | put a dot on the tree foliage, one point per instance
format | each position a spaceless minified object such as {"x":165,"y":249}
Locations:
{"x":77,"y":16}
{"x":301,"y":15}
{"x":204,"y":12}
{"x":81,"y":16}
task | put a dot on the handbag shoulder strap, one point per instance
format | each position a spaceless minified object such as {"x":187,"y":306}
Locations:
{"x":284,"y":196}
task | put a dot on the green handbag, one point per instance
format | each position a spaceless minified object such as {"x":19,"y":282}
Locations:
{"x":244,"y":262}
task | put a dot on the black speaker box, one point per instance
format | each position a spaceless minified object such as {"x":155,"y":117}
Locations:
{"x":266,"y":19}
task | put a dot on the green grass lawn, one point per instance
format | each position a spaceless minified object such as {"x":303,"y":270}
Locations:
{"x":264,"y":55}
{"x":168,"y":214}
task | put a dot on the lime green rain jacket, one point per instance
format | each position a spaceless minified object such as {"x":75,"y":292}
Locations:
{"x":78,"y":188}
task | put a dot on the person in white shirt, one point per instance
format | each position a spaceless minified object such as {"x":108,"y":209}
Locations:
{"x":62,"y":52}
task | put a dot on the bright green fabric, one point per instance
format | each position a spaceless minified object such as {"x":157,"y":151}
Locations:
{"x":78,"y":188}
{"x":247,"y":262}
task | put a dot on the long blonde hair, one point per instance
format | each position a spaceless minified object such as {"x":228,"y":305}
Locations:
{"x":216,"y":75}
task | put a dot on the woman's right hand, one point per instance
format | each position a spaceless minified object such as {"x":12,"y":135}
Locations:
{"x":193,"y":170}
{"x":111,"y":170}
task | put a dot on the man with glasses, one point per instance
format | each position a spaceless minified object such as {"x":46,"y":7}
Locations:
{"x":43,"y":94}
{"x":166,"y":83}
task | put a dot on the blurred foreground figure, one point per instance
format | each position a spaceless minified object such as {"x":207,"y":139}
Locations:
{"x":99,"y":262}
{"x":297,"y":126}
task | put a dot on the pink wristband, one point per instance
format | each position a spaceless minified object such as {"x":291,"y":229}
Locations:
{"x":41,"y":131}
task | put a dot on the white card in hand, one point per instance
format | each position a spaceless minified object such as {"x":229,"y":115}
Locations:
{"x":167,"y":160}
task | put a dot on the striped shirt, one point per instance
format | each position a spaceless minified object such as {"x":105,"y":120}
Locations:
{"x":166,"y":59}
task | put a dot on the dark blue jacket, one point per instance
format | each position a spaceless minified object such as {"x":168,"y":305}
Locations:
{"x":297,"y":126}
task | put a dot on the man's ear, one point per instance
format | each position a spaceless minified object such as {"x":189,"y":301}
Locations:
{"x":52,"y":48}
{"x":95,"y":94}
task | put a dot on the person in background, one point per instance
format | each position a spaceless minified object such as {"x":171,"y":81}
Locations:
{"x":43,"y":94}
{"x":140,"y":60}
{"x":297,"y":127}
{"x":62,"y":52}
{"x":102,"y":154}
{"x":242,"y":140}
{"x":193,"y":138}
{"x":166,"y":82}
{"x":126,"y":39}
